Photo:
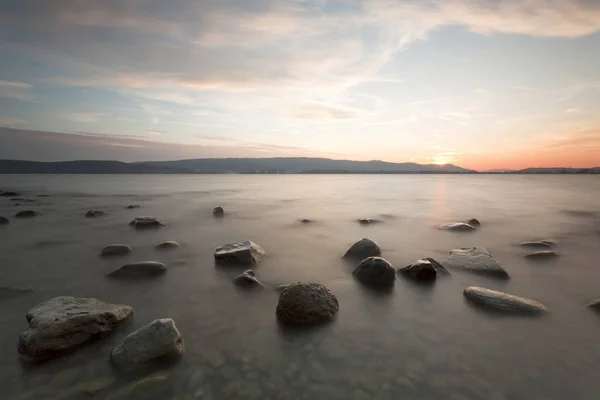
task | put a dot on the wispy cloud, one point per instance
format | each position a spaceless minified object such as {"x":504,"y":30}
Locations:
{"x":14,"y":85}
{"x":85,"y":117}
{"x":155,"y":132}
{"x":10,"y":121}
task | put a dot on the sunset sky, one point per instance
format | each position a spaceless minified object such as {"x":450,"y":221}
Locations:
{"x":478,"y":83}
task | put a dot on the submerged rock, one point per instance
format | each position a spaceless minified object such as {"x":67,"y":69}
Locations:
{"x":167,"y":245}
{"x":218,"y":212}
{"x":115,"y":249}
{"x":94,"y":213}
{"x":306,"y":221}
{"x":143,"y":388}
{"x":542,"y":255}
{"x":595,"y":305}
{"x":306,"y":303}
{"x":362,"y":249}
{"x":27,"y":214}
{"x":145,"y":223}
{"x":501,"y":302}
{"x":476,"y":259}
{"x":10,"y":291}
{"x":241,"y":253}
{"x":368,"y":221}
{"x":139,"y":270}
{"x":474,"y":222}
{"x":159,"y":339}
{"x":247,"y":280}
{"x":9,"y":194}
{"x":63,"y":324}
{"x":375,"y":271}
{"x":132,"y":206}
{"x":4,"y":221}
{"x":458,"y":227}
{"x":426,"y":269}
{"x":540,"y":244}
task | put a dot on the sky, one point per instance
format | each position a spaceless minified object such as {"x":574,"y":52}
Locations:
{"x":484,"y":84}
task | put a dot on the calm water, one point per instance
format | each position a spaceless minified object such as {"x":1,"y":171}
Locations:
{"x":413,"y":343}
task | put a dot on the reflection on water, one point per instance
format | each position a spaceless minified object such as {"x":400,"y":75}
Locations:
{"x":413,"y":342}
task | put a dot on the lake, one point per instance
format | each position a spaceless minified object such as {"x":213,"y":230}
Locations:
{"x":414,"y":342}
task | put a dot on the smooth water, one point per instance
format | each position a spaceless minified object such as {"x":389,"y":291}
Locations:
{"x":415,"y":342}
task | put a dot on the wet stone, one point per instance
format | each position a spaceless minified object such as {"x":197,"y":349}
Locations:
{"x":362,"y":249}
{"x":27,"y":214}
{"x":94,"y":213}
{"x":167,"y":245}
{"x":542,"y":255}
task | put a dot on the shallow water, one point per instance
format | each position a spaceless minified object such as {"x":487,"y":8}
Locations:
{"x":414,"y":342}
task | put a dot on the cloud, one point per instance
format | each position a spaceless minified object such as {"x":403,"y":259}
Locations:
{"x":154,"y":132}
{"x":10,"y":121}
{"x":85,"y":117}
{"x":587,"y":139}
{"x":17,"y":91}
{"x":14,"y":85}
{"x":324,"y":113}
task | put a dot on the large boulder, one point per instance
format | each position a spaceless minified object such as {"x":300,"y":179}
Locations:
{"x":375,"y":271}
{"x":11,"y":291}
{"x":141,"y":269}
{"x":159,"y":339}
{"x":27,"y":214}
{"x":63,"y":324}
{"x":167,"y":245}
{"x":94,"y":213}
{"x":538,"y":244}
{"x":218,"y":212}
{"x":145,"y":223}
{"x":362,"y":249}
{"x":542,"y":255}
{"x":426,"y":269}
{"x":458,"y":227}
{"x":306,"y":303}
{"x":4,"y":221}
{"x":476,"y":259}
{"x":247,"y":280}
{"x":240,"y":253}
{"x":494,"y":301}
{"x":115,"y":250}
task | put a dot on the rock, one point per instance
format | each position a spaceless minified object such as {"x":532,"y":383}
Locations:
{"x":247,"y":280}
{"x":375,"y":271}
{"x":540,"y":244}
{"x":94,"y":213}
{"x":9,"y":194}
{"x":241,"y":253}
{"x":167,"y":245}
{"x":115,"y":249}
{"x":159,"y":339}
{"x":145,"y":223}
{"x":426,"y":269}
{"x":22,"y":200}
{"x":505,"y":303}
{"x":281,"y":288}
{"x":306,"y":303}
{"x":306,"y":221}
{"x":476,"y":259}
{"x":474,"y":222}
{"x":132,"y":206}
{"x":542,"y":255}
{"x":4,"y":221}
{"x":368,"y":221}
{"x":27,"y":214}
{"x":143,"y":388}
{"x":362,"y":249}
{"x":139,"y":270}
{"x":63,"y":324}
{"x":218,"y":212}
{"x":10,"y":291}
{"x":595,"y":305}
{"x":457,"y":227}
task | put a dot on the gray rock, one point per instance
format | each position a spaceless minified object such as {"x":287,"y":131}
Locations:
{"x":476,"y":259}
{"x":539,"y":244}
{"x":501,"y":302}
{"x":247,"y":280}
{"x":368,"y":221}
{"x":145,"y":223}
{"x":115,"y":249}
{"x":10,"y":291}
{"x":9,"y":194}
{"x":132,"y":206}
{"x":167,"y":245}
{"x":159,"y":339}
{"x":458,"y":227}
{"x":306,"y":221}
{"x":241,"y":253}
{"x":139,"y":270}
{"x":362,"y":249}
{"x":281,"y":288}
{"x":63,"y":324}
{"x":144,"y":388}
{"x":306,"y":303}
{"x":375,"y":271}
{"x":542,"y":255}
{"x":426,"y":269}
{"x":94,"y":213}
{"x":4,"y":221}
{"x":27,"y":214}
{"x":595,"y":305}
{"x":474,"y":222}
{"x":218,"y":212}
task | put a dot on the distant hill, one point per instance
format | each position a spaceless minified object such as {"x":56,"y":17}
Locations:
{"x":298,"y":165}
{"x":559,"y":170}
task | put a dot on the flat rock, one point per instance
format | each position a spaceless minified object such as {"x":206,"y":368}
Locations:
{"x":375,"y":271}
{"x":542,"y":255}
{"x":132,"y":206}
{"x":167,"y":245}
{"x":11,"y":291}
{"x":140,"y":269}
{"x":362,"y":249}
{"x":159,"y":339}
{"x":63,"y":324}
{"x":474,"y":222}
{"x":240,"y":253}
{"x":595,"y":305}
{"x":9,"y":194}
{"x":218,"y":212}
{"x":145,"y":223}
{"x":94,"y":213}
{"x":476,"y":259}
{"x":27,"y":214}
{"x":426,"y":269}
{"x":306,"y":303}
{"x":504,"y":303}
{"x":4,"y":221}
{"x":458,"y":227}
{"x":368,"y":221}
{"x":115,"y":249}
{"x":539,"y":244}
{"x":247,"y":280}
